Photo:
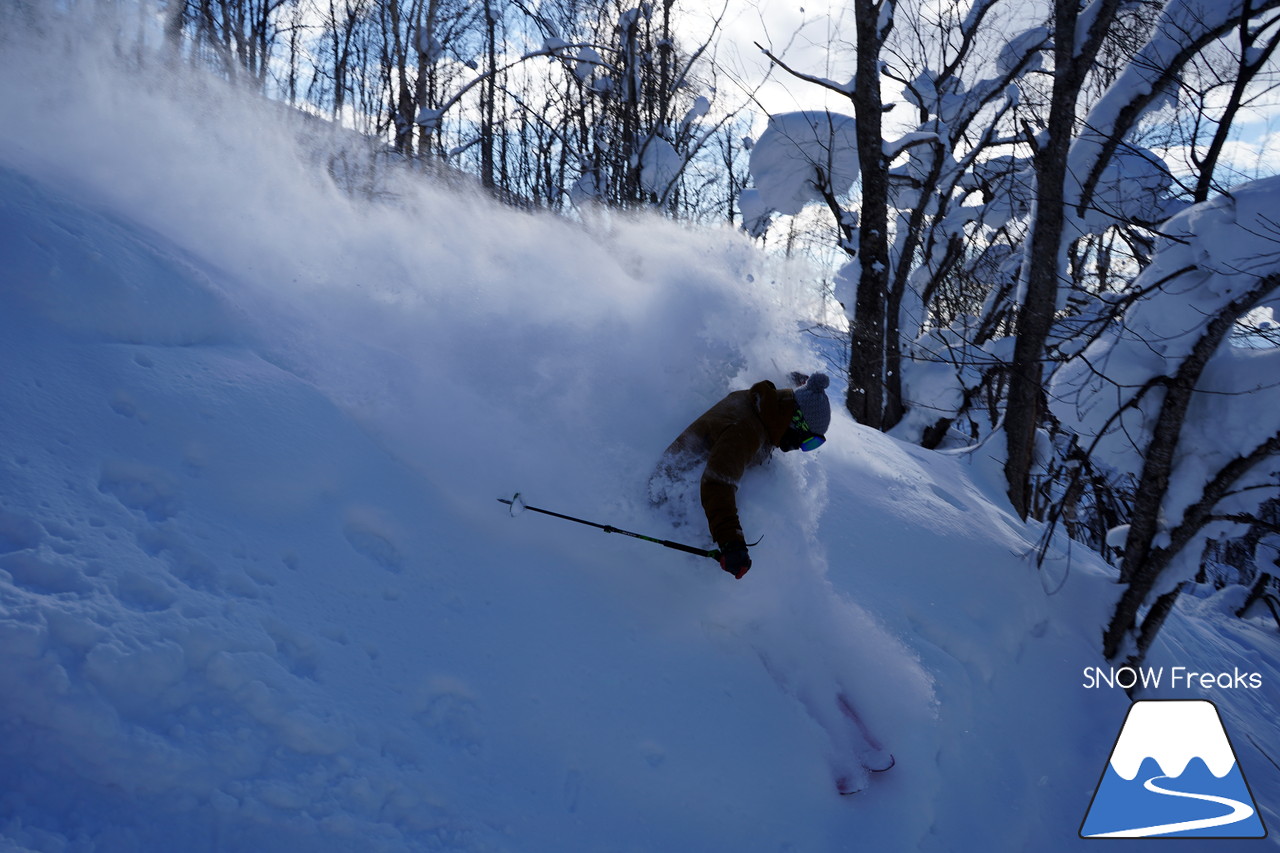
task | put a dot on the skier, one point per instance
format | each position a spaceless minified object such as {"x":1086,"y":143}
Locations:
{"x":741,"y":431}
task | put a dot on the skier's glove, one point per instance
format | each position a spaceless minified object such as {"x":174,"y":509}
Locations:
{"x":734,"y":559}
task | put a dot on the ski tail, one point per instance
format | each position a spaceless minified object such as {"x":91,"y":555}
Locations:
{"x":873,"y":756}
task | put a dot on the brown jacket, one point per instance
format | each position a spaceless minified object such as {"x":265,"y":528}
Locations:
{"x":739,"y":431}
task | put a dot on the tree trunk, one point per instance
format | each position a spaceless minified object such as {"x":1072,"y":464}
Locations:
{"x":865,"y":399}
{"x":1043,"y":262}
{"x":1045,"y":259}
{"x":488,"y":99}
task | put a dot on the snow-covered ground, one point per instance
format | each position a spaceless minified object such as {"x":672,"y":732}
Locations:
{"x":256,"y":591}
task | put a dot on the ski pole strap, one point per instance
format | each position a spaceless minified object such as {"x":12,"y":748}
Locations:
{"x":713,"y":553}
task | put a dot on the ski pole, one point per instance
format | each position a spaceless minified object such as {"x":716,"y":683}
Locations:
{"x":518,"y":505}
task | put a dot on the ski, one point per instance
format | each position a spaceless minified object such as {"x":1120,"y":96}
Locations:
{"x":875,"y":759}
{"x":854,"y":783}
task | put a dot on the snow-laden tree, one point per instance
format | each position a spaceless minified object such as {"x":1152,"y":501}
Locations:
{"x":1022,"y":202}
{"x":1026,"y":185}
{"x":952,"y":194}
{"x":801,"y":158}
{"x":1166,"y":395}
{"x":925,"y":203}
{"x":1073,"y":168}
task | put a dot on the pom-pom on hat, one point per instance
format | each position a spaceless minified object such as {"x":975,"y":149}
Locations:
{"x":811,"y":400}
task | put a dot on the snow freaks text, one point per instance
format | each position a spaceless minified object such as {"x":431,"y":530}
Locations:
{"x":1174,"y":677}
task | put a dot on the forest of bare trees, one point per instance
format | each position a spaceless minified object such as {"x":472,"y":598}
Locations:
{"x":542,"y":103}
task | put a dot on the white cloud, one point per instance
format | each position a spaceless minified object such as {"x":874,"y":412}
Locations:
{"x":814,"y":38}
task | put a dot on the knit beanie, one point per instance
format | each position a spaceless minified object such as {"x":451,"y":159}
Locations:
{"x":811,"y":399}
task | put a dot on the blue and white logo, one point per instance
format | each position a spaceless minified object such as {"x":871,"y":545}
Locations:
{"x":1172,"y":774}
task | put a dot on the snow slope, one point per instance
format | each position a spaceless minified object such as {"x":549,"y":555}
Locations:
{"x":256,"y":592}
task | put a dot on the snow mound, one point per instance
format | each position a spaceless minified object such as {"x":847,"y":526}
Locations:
{"x":798,"y":155}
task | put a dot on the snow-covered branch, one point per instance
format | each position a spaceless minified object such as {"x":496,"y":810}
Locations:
{"x":1164,"y":395}
{"x":845,"y":89}
{"x":1183,"y":30}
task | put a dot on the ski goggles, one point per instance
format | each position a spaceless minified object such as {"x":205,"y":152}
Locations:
{"x":812,"y":440}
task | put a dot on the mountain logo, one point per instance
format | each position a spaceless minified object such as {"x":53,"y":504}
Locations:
{"x":1172,"y":774}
